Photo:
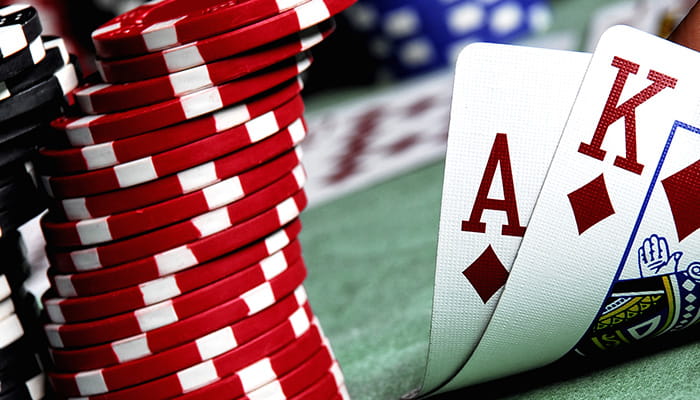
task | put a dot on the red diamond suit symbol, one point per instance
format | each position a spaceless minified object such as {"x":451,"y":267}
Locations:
{"x":683,"y":193}
{"x":591,"y":204}
{"x":486,"y":274}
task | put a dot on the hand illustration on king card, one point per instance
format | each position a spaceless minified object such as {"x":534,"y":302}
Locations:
{"x":654,"y":257}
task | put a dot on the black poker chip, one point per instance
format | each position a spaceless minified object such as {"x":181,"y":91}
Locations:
{"x":22,"y":60}
{"x":60,"y":83}
{"x":23,"y":145}
{"x":39,"y":116}
{"x":26,"y":391}
{"x":19,"y":25}
{"x":12,"y":218}
{"x":8,"y":172}
{"x":19,"y":372}
{"x":13,"y":258}
{"x":19,"y":348}
{"x":14,"y":195}
{"x":16,"y":273}
{"x":56,"y":57}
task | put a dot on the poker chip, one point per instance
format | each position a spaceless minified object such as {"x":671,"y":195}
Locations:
{"x":184,"y":182}
{"x":165,"y":24}
{"x":150,"y":168}
{"x":22,"y":60}
{"x":409,"y":38}
{"x":38,"y":116}
{"x":20,"y":373}
{"x":15,"y":191}
{"x":108,"y":154}
{"x":106,"y":98}
{"x":12,"y":219}
{"x":175,"y":236}
{"x":343,"y":394}
{"x":22,"y":353}
{"x":61,"y":310}
{"x":13,"y":251}
{"x":56,"y":57}
{"x":20,"y":145}
{"x":250,"y":316}
{"x":119,"y":226}
{"x":103,"y":128}
{"x":5,"y":289}
{"x":220,"y":46}
{"x":218,"y":349}
{"x":269,"y":381}
{"x":333,"y":383}
{"x":34,"y":389}
{"x":10,"y":330}
{"x":23,"y":205}
{"x":131,"y":274}
{"x":139,"y":321}
{"x":59,"y":84}
{"x":6,"y":308}
{"x":11,"y":354}
{"x":19,"y":25}
{"x":248,"y":377}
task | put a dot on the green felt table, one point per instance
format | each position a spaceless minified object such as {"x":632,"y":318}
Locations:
{"x":371,"y":260}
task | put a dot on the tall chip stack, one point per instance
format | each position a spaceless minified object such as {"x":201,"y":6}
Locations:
{"x":172,"y":232}
{"x":36,"y":77}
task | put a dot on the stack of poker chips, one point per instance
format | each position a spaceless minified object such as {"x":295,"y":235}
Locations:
{"x":36,"y":75}
{"x":411,"y":37}
{"x":172,"y":233}
{"x":22,"y":350}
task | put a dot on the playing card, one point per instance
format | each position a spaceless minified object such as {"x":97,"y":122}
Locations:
{"x":509,"y":107}
{"x":617,"y":218}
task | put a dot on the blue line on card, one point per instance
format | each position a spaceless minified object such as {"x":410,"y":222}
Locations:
{"x":677,"y":124}
{"x":647,"y":198}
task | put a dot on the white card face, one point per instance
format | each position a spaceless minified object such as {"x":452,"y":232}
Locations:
{"x":509,"y":108}
{"x":626,"y":175}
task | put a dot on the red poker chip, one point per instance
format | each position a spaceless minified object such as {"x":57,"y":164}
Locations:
{"x":233,"y":216}
{"x":93,"y":129}
{"x":221,"y":46}
{"x":161,"y":25}
{"x":167,"y":312}
{"x":187,"y":181}
{"x":293,"y":382}
{"x":156,"y":166}
{"x":220,"y":348}
{"x":344,"y":394}
{"x":101,"y":98}
{"x":333,"y":383}
{"x":143,"y":271}
{"x":251,"y":315}
{"x":302,"y":362}
{"x":87,"y":158}
{"x":269,"y":178}
{"x":81,"y":309}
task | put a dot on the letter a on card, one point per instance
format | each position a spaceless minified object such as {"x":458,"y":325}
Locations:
{"x":505,"y":124}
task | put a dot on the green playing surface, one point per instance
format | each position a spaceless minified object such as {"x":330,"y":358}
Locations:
{"x":371,"y":259}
